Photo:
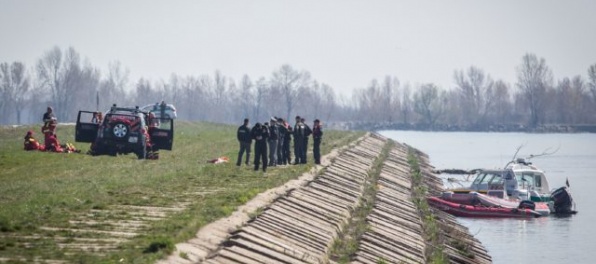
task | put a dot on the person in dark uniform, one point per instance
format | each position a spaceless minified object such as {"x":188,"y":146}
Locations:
{"x":273,"y":142}
{"x":286,"y":147}
{"x":162,"y":110}
{"x":317,"y":136}
{"x":307,"y":133}
{"x":299,"y":140}
{"x":49,"y":119}
{"x":260,"y":133}
{"x":283,"y":130}
{"x":245,"y":140}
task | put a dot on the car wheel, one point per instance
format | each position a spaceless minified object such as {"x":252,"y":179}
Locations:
{"x":120,"y":130}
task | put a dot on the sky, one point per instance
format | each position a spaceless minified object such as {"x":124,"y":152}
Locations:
{"x":345,"y":44}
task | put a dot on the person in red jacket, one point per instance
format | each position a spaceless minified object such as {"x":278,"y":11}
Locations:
{"x":49,"y":127}
{"x":52,"y":143}
{"x":31,"y":143}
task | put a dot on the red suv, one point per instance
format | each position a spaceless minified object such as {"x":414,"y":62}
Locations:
{"x":124,"y":130}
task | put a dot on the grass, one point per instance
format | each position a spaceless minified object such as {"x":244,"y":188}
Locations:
{"x":41,"y":190}
{"x":431,"y":230}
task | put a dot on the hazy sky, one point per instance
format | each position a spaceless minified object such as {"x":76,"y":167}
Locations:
{"x":345,"y":44}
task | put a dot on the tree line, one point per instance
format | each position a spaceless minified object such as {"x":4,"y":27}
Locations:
{"x":60,"y":78}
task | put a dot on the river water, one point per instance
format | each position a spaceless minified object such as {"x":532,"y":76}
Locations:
{"x":540,"y":240}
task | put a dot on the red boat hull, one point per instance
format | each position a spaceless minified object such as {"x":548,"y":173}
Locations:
{"x":463,"y":210}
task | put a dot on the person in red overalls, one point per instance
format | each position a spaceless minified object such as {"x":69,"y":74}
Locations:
{"x":31,"y":143}
{"x":52,"y":144}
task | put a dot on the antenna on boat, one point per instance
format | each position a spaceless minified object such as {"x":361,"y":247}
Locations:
{"x":515,"y":155}
{"x":544,"y":153}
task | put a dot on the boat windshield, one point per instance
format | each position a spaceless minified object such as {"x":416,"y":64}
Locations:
{"x":488,"y":180}
{"x":528,"y":180}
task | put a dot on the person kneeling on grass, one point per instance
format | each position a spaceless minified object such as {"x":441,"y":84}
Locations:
{"x":52,"y":143}
{"x":31,"y":143}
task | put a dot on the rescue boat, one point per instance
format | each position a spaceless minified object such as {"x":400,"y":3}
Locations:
{"x":475,"y":198}
{"x":463,"y":210}
{"x":519,"y":184}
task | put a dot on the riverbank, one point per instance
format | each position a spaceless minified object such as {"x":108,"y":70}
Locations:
{"x":365,"y":204}
{"x":377,"y":126}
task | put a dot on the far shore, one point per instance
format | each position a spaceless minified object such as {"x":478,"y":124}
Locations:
{"x":377,"y":126}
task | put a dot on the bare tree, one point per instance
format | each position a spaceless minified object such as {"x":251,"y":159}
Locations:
{"x":174,"y":90}
{"x":246,"y":96}
{"x":112,"y":89}
{"x":4,"y":97}
{"x":315,"y":99}
{"x":70,"y":77}
{"x":369,"y":102}
{"x":220,"y":83}
{"x":475,"y":88}
{"x":578,"y":88}
{"x":195,"y":103}
{"x":290,"y":81}
{"x":406,"y":105}
{"x":534,"y":78}
{"x":231,"y":107}
{"x":63,"y":75}
{"x":83,"y":85}
{"x":429,"y":104}
{"x":49,"y":73}
{"x":389,"y":100}
{"x":273,"y":100}
{"x":592,"y":83}
{"x":261,"y":90}
{"x":501,"y":107}
{"x":564,"y":106}
{"x":144,"y":91}
{"x":14,"y":85}
{"x":454,"y":110}
{"x":328,"y":102}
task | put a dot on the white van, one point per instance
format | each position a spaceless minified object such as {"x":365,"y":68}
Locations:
{"x":169,"y":112}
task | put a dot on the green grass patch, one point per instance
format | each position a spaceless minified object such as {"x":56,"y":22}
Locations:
{"x":431,"y":230}
{"x":41,"y":190}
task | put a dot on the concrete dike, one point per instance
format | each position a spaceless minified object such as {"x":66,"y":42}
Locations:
{"x":368,"y":186}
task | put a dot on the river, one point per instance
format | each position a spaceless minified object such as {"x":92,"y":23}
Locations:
{"x":540,"y":240}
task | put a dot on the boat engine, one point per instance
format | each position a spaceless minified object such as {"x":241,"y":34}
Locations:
{"x":527,"y":204}
{"x":562,"y":200}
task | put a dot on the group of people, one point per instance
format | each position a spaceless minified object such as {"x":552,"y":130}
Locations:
{"x":274,"y":137}
{"x":48,"y":129}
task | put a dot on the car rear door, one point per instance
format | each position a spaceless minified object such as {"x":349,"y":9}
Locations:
{"x":162,"y":136}
{"x":86,"y":127}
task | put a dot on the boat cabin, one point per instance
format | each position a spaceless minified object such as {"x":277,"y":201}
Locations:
{"x":518,"y":179}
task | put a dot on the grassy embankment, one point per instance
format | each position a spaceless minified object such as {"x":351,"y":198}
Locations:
{"x":432,"y":233}
{"x":46,"y":198}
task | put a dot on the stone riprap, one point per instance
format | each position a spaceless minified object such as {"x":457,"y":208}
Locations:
{"x":301,"y":221}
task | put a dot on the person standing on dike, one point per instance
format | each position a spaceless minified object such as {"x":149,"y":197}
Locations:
{"x":245,"y":139}
{"x":260,"y":133}
{"x":317,"y":135}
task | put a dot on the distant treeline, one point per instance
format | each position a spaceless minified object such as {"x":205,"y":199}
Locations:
{"x":534,"y":102}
